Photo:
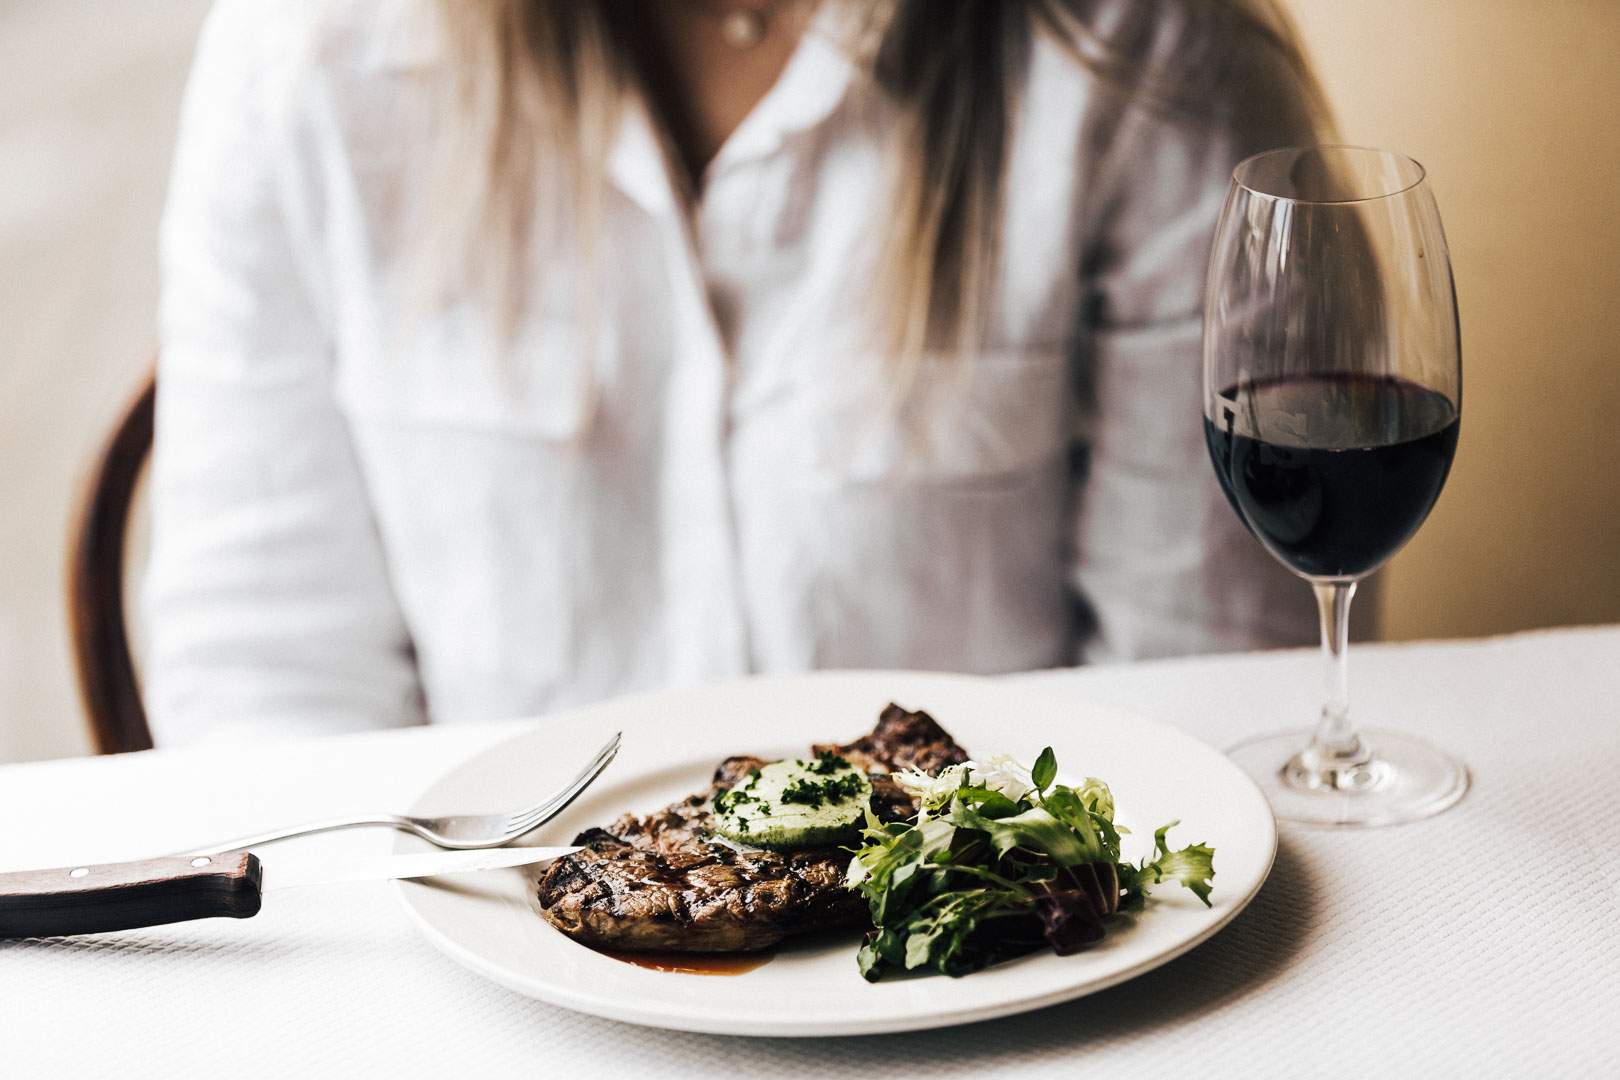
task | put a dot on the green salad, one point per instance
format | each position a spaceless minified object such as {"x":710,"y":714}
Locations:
{"x":1001,"y":861}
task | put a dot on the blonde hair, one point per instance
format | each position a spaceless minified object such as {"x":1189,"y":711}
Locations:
{"x":550,"y":74}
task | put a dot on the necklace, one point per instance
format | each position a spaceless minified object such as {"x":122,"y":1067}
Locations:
{"x":745,"y":27}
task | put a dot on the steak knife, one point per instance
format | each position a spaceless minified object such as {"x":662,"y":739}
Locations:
{"x":92,"y":899}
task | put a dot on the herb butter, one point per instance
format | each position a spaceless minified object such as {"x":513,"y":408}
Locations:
{"x":789,"y":805}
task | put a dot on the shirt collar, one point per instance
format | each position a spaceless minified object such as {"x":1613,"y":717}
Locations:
{"x":403,"y":36}
{"x":635,"y":163}
{"x":814,"y":83}
{"x":816,"y":80}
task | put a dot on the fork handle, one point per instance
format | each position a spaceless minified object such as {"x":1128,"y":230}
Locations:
{"x":122,"y":896}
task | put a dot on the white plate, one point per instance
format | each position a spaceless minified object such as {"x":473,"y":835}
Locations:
{"x":672,"y":742}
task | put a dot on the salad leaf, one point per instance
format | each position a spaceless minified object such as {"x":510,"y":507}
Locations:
{"x":1044,"y":770}
{"x":1193,"y":867}
{"x":992,"y":804}
{"x":1035,"y":830}
{"x":1001,"y":774}
{"x":1069,"y":919}
{"x":1097,"y":798}
{"x":1068,"y":808}
{"x":1001,"y":861}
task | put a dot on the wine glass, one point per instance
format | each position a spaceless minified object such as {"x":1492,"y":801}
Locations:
{"x":1332,"y":395}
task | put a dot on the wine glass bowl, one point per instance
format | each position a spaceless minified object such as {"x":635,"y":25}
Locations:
{"x":1332,"y":405}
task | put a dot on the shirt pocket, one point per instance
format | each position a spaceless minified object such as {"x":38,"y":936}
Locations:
{"x":993,"y":416}
{"x":454,"y":371}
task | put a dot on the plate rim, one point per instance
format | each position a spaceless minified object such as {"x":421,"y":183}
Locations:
{"x":561,"y":996}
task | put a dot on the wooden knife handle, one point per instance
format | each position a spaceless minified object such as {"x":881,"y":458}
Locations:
{"x":121,"y":896}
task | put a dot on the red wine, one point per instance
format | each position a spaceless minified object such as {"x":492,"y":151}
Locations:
{"x":1333,"y":473}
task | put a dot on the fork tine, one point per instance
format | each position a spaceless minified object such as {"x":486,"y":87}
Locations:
{"x":603,"y":756}
{"x":527,"y":820}
{"x":531,"y":818}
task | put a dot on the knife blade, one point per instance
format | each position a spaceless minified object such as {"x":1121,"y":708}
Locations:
{"x":337,"y":870}
{"x":94,"y":899}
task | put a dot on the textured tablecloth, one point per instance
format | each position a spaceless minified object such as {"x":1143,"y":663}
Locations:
{"x":1484,"y":942}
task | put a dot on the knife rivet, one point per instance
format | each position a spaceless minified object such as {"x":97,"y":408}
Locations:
{"x":201,"y":860}
{"x":80,"y":871}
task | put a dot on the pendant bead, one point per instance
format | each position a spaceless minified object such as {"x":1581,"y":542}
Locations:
{"x":742,"y":29}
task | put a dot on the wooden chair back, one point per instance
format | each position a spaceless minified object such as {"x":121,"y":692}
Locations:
{"x":101,"y":648}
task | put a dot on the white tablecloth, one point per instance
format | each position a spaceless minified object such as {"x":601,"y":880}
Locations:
{"x":1485,"y":942}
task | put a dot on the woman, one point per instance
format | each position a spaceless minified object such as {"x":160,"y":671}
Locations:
{"x":520,"y":354}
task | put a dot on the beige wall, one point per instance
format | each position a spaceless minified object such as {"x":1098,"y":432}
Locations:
{"x":1511,"y":103}
{"x":88,"y":95}
{"x":1514,"y":107}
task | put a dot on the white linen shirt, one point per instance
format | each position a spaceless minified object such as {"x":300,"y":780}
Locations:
{"x":364,"y":515}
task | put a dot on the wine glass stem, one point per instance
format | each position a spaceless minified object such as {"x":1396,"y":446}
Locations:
{"x":1335,"y":744}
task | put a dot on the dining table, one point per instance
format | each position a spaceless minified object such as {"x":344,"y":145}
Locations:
{"x":1484,"y":941}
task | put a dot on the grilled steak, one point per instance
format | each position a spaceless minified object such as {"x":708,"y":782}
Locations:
{"x":680,"y":825}
{"x":657,"y":882}
{"x":700,"y":898}
{"x":901,"y":740}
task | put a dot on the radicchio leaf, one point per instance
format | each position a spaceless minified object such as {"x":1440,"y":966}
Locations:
{"x":1069,"y":920}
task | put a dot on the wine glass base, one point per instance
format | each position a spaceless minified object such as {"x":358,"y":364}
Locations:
{"x":1404,"y":779}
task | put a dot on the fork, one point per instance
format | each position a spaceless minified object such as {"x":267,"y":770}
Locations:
{"x":459,"y":832}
